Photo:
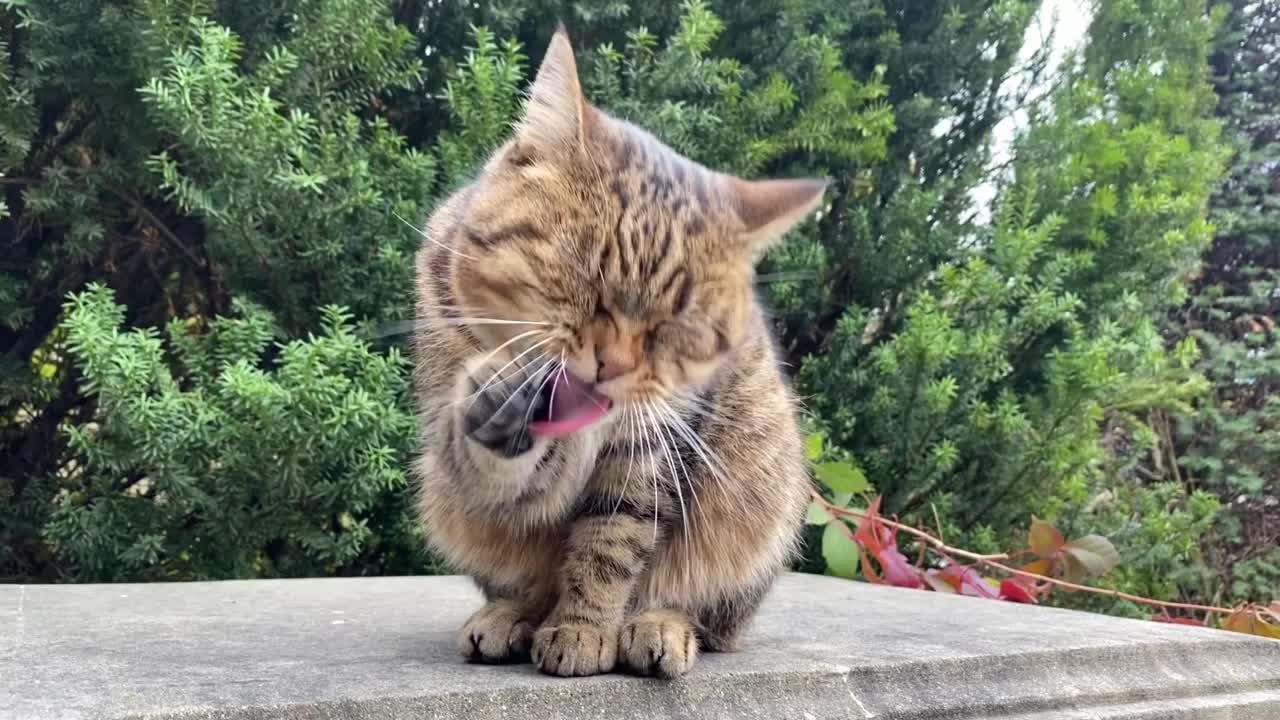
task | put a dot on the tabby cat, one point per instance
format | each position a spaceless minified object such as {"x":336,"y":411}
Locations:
{"x":609,"y":448}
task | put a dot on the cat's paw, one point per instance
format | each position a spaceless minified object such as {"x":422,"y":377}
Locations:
{"x":496,"y":633}
{"x":658,"y":642}
{"x":575,"y":650}
{"x":497,"y":400}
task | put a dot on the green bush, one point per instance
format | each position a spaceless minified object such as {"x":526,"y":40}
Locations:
{"x":217,"y":467}
{"x":191,"y":190}
{"x":201,"y":159}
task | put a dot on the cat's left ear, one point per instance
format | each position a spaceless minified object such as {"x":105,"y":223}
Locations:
{"x":556,"y":115}
{"x":769,"y":208}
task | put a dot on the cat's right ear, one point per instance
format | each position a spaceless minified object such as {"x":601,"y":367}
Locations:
{"x":557,"y":117}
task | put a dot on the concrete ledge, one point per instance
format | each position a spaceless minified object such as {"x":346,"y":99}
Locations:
{"x":343,"y":649}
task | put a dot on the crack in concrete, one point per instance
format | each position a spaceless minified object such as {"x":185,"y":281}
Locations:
{"x":865,"y":712}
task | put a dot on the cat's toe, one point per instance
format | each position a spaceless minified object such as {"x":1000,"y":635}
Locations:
{"x":575,"y":650}
{"x":659,"y":642}
{"x":497,"y":633}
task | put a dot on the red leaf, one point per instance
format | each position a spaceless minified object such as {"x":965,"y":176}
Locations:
{"x":1045,"y":539}
{"x":1012,"y":591}
{"x":868,"y":570}
{"x":898,"y":570}
{"x":872,"y":533}
{"x":1032,"y":586}
{"x":969,"y":582}
{"x":935,"y":580}
{"x":881,"y":542}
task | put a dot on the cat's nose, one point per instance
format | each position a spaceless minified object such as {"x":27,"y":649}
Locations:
{"x":612,"y":363}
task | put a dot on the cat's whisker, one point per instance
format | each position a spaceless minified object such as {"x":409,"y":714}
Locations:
{"x":517,"y":338}
{"x":491,"y":321}
{"x":558,"y":373}
{"x":393,"y":327}
{"x":709,"y":457}
{"x":691,"y":398}
{"x":702,"y":407}
{"x":765,"y":278}
{"x":513,"y":361}
{"x":662,"y":409}
{"x":529,"y":412}
{"x":480,"y":314}
{"x":432,"y":240}
{"x":468,"y":316}
{"x":522,"y":385}
{"x":671,"y":465}
{"x":631,"y":458}
{"x":472,"y":397}
{"x":706,"y":454}
{"x":488,"y":357}
{"x":642,"y":429}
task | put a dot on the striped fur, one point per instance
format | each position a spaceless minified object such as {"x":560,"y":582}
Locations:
{"x":659,"y":529}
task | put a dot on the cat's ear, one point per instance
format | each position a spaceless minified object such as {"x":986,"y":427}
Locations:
{"x":769,"y":208}
{"x":556,"y":116}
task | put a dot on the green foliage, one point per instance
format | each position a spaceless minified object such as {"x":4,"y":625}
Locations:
{"x":228,"y":467}
{"x":1228,"y":444}
{"x":483,"y":97}
{"x":1158,"y":527}
{"x":1191,"y":490}
{"x":979,"y":392}
{"x":235,"y":171}
{"x":200,"y":159}
{"x":720,"y":112}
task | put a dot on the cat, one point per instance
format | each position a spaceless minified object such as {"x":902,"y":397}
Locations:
{"x":609,"y":447}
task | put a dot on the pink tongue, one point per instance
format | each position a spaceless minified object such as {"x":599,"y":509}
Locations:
{"x":573,"y":407}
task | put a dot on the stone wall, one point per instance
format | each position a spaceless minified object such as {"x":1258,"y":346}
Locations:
{"x":342,"y":649}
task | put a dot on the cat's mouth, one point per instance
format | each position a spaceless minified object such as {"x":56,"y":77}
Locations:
{"x":573,"y":405}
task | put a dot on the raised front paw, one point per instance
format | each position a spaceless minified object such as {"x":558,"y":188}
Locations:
{"x":575,"y":650}
{"x":658,"y":642}
{"x":496,"y":633}
{"x":497,"y":400}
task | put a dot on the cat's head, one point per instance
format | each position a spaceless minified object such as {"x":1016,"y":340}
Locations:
{"x":639,"y":261}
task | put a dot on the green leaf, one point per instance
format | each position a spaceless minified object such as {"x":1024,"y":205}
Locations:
{"x":817,"y":515}
{"x":842,"y":477}
{"x":1089,"y":556}
{"x":839,"y":550}
{"x":813,"y":446}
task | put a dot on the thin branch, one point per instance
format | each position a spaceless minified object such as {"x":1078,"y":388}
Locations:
{"x":926,"y":537}
{"x":993,"y":561}
{"x":159,"y":225}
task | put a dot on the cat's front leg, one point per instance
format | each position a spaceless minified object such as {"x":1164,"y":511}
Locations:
{"x":608,"y":549}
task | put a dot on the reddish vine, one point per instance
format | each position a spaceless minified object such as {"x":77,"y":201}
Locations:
{"x":1059,"y":564}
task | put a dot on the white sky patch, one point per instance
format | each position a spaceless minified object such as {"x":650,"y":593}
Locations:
{"x":1064,"y":24}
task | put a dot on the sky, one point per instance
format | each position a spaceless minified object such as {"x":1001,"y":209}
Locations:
{"x":1066,"y":21}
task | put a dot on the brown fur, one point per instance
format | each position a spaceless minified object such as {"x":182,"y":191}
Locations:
{"x":623,"y":542}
